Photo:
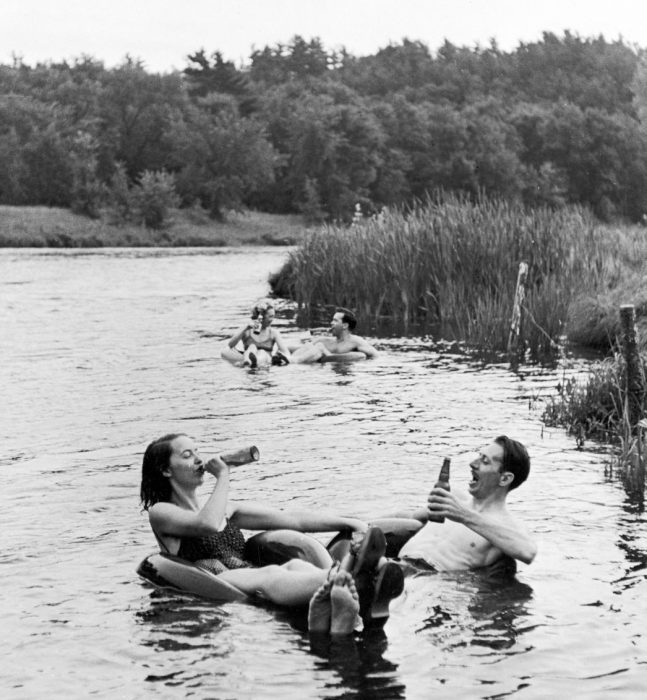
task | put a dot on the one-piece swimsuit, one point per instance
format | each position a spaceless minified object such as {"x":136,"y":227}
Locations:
{"x":219,"y":552}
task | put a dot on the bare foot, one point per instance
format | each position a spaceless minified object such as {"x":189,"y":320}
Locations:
{"x":319,"y":610}
{"x":345,"y":604}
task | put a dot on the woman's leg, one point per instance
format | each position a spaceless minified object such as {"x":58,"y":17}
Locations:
{"x":250,"y":355}
{"x":232,"y":355}
{"x":283,"y":585}
{"x":302,"y":565}
{"x":312,"y":352}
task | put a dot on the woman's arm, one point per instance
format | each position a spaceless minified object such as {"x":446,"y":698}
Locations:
{"x":254,"y":516}
{"x":237,"y":337}
{"x":420,"y":514}
{"x":280,"y":343}
{"x":170,"y":519}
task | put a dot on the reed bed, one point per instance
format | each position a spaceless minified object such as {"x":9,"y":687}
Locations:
{"x":449,"y":266}
{"x":596,"y":407}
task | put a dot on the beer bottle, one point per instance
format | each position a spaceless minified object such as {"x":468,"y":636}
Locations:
{"x":442,"y":483}
{"x":240,"y":457}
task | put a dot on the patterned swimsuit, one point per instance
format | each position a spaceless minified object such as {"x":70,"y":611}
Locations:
{"x":266,"y":344}
{"x":219,"y":552}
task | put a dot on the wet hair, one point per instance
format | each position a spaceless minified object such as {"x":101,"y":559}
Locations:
{"x":347,"y":316}
{"x":155,"y":486}
{"x":515,"y":460}
{"x":260,"y":307}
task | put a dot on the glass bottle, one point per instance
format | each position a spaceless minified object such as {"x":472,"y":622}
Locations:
{"x":442,"y":483}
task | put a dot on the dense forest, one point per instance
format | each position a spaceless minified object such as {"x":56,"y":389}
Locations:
{"x":303,"y":129}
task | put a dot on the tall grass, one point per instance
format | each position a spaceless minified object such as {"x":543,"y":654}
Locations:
{"x":449,"y":266}
{"x":598,"y":408}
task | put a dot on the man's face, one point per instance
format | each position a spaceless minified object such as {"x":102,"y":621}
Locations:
{"x":486,"y":474}
{"x":337,"y":325}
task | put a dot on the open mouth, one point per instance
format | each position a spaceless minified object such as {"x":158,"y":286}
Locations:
{"x":475,"y":477}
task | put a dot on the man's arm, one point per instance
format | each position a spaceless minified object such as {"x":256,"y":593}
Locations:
{"x":366,"y":348}
{"x":502,"y":532}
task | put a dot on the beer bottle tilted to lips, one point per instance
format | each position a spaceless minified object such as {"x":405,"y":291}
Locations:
{"x":442,"y":483}
{"x":243,"y":456}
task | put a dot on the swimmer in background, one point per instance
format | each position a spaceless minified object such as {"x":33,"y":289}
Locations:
{"x":342,"y":345}
{"x":262,"y":343}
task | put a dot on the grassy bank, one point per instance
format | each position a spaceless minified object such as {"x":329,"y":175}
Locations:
{"x":449,"y":268}
{"x":39,"y":227}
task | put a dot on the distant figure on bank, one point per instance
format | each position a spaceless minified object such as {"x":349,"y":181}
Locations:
{"x":262,"y":344}
{"x":479,"y":531}
{"x":342,"y":345}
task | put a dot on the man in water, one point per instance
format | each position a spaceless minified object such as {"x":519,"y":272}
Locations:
{"x":479,"y":531}
{"x":341,"y":345}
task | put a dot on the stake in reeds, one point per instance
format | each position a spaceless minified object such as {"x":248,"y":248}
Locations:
{"x":633,"y":458}
{"x":516,"y":325}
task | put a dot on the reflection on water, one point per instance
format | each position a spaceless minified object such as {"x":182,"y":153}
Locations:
{"x":104,"y":350}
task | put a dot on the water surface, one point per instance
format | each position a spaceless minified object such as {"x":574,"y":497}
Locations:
{"x":105,"y":350}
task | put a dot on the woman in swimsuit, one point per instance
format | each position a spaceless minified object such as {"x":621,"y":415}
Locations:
{"x":259,"y":339}
{"x":209,"y":534}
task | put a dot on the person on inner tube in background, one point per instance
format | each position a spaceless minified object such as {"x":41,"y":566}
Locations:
{"x":479,"y":531}
{"x":341,"y":341}
{"x":209,"y":535}
{"x":260,"y":340}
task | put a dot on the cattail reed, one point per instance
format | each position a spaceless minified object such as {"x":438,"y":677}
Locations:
{"x":448,"y":266}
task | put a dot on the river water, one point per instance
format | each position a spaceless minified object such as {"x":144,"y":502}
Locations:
{"x":104,"y":350}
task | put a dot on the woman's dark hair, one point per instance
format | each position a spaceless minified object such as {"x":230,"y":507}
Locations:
{"x":347,"y":316}
{"x":155,"y":486}
{"x":515,"y":460}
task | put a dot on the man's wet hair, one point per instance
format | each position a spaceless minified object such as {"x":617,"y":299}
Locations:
{"x":515,"y":460}
{"x":347,"y":317}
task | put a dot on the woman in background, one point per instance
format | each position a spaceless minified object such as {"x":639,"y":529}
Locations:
{"x":262,"y":344}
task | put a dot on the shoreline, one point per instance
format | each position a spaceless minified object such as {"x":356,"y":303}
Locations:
{"x":52,"y":227}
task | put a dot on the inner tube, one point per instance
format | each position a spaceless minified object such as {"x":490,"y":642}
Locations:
{"x":396,"y":532}
{"x":168,"y":572}
{"x":235,"y":357}
{"x":353,"y":356}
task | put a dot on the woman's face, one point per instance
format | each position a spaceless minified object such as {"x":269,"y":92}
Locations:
{"x":267,"y":317}
{"x":185,"y":464}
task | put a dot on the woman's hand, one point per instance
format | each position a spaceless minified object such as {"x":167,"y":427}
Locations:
{"x":216,"y":467}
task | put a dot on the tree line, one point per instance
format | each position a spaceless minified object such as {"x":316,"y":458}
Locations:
{"x":300,"y":128}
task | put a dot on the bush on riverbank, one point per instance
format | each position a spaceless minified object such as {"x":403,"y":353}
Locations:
{"x":42,"y":227}
{"x":596,"y":408}
{"x":593,"y":407}
{"x":449,"y":267}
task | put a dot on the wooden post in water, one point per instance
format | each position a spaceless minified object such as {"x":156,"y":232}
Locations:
{"x":635,"y":389}
{"x":516,"y":323}
{"x":640,"y":474}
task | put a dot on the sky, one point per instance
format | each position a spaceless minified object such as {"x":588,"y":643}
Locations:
{"x":161,"y":33}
